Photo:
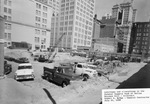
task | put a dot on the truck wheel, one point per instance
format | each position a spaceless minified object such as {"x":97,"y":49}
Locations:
{"x":64,"y":84}
{"x":85,"y":77}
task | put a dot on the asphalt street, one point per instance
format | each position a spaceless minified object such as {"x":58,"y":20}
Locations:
{"x":141,"y":79}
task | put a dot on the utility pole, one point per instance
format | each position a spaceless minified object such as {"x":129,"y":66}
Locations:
{"x":1,"y":46}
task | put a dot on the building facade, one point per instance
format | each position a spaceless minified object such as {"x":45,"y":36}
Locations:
{"x":96,"y":28}
{"x":108,"y":27}
{"x":55,"y":5}
{"x":125,"y":15}
{"x":27,"y":21}
{"x":76,"y":21}
{"x":141,"y":38}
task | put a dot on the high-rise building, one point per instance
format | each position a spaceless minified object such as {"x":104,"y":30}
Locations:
{"x":76,"y":21}
{"x":55,"y":4}
{"x":140,"y":38}
{"x":125,"y":15}
{"x":27,"y":21}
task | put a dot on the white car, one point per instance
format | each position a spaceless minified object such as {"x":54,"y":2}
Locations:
{"x":25,"y":71}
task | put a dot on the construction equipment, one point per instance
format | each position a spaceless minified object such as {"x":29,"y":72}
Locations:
{"x":55,"y":48}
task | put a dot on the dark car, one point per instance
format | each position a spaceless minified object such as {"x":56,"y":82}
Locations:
{"x":43,"y":58}
{"x":7,"y":68}
{"x":9,"y":58}
{"x":22,"y":60}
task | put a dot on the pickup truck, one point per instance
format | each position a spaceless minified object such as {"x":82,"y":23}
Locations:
{"x":25,"y":71}
{"x":83,"y":70}
{"x":62,"y":75}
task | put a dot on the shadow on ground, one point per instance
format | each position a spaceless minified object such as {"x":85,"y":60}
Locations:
{"x":138,"y":80}
{"x":49,"y":96}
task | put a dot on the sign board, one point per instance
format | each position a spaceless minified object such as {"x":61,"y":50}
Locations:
{"x":126,"y":96}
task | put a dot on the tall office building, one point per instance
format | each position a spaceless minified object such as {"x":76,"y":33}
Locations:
{"x":55,"y":4}
{"x":125,"y":15}
{"x":27,"y":21}
{"x":76,"y":21}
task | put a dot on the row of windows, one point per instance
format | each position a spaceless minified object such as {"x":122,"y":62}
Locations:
{"x":7,"y":10}
{"x":8,"y":36}
{"x":144,"y":30}
{"x":84,"y":26}
{"x":8,"y":26}
{"x":67,"y":8}
{"x":143,"y":25}
{"x":84,"y":8}
{"x":37,"y":40}
{"x":82,"y":30}
{"x":65,"y":28}
{"x":66,"y":17}
{"x":139,"y":38}
{"x":38,"y":19}
{"x":67,"y":12}
{"x":7,"y":17}
{"x":80,"y":41}
{"x":66,"y":23}
{"x":39,"y":7}
{"x":84,"y":20}
{"x":7,"y":2}
{"x":39,"y":13}
{"x":67,"y":4}
{"x":37,"y":31}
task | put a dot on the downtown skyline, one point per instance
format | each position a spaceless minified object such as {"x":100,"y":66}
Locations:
{"x":103,"y":7}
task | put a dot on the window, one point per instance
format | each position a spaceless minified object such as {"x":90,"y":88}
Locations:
{"x":71,"y":17}
{"x":9,"y":18}
{"x":9,"y":36}
{"x":5,"y":9}
{"x":5,"y":17}
{"x":5,"y":35}
{"x":43,"y":32}
{"x":44,"y":8}
{"x":70,"y":22}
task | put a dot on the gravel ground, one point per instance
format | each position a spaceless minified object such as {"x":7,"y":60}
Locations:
{"x":41,"y":91}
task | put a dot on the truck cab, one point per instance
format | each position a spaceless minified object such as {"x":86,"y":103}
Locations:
{"x":83,"y":70}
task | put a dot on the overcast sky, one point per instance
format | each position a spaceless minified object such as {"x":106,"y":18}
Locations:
{"x":142,"y":6}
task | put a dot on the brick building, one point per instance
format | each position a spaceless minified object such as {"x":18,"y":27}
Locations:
{"x":140,"y":38}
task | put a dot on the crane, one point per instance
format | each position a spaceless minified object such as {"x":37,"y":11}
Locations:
{"x":55,"y":48}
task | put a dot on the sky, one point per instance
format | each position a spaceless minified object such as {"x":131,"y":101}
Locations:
{"x":142,"y":6}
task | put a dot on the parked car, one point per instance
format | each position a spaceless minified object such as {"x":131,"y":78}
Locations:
{"x":43,"y":58}
{"x":9,"y":58}
{"x":25,"y":71}
{"x":62,"y":75}
{"x":22,"y":60}
{"x":83,"y":70}
{"x":7,"y":68}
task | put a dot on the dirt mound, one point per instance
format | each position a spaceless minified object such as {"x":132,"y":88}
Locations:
{"x":123,"y":73}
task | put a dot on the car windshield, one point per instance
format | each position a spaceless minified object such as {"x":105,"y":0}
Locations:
{"x":68,"y":70}
{"x":25,"y":67}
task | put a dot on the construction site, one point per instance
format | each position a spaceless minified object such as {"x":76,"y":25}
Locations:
{"x":42,"y":91}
